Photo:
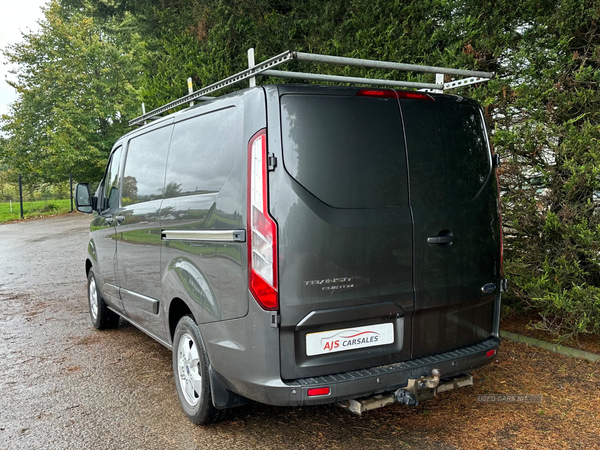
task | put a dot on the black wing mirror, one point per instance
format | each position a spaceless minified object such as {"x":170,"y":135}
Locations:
{"x":84,"y":201}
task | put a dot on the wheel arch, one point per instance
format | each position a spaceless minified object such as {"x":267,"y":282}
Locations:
{"x":88,"y":266}
{"x":177,"y":309}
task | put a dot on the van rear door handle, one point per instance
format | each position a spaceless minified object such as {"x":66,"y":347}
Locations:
{"x":443,"y":238}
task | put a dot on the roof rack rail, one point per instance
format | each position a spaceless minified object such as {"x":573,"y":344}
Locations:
{"x":266,"y":67}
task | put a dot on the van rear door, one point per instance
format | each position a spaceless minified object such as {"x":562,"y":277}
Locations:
{"x":454,"y":198}
{"x":345,"y":231}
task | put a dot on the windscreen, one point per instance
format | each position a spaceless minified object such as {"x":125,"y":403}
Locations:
{"x":347,"y":151}
{"x":448,"y":153}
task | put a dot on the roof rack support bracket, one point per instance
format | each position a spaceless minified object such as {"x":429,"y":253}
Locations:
{"x":251,"y":64}
{"x":465,"y":82}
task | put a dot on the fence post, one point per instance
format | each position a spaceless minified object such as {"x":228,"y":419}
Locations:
{"x":71,"y":188}
{"x":21,"y":195}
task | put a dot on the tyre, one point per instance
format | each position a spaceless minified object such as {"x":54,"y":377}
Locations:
{"x":102,"y":317}
{"x":190,"y":367}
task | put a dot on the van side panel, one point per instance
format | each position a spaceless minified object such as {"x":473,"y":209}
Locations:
{"x":138,"y":228}
{"x":205,"y":190}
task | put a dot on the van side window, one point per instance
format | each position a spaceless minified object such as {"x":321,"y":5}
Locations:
{"x":110,"y":191}
{"x":201,"y":153}
{"x":144,"y":171}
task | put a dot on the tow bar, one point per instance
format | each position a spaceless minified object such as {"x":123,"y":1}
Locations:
{"x":417,"y":390}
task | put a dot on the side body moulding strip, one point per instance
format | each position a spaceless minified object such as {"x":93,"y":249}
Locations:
{"x":140,"y":301}
{"x":204,"y":235}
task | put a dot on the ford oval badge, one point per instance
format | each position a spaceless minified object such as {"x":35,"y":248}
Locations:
{"x":488,"y":288}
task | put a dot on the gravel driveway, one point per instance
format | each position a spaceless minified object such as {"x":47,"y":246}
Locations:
{"x":64,"y":384}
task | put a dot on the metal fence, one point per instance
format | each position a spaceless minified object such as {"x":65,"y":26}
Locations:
{"x":22,"y":197}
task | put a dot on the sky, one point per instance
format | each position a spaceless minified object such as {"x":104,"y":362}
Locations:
{"x":16,"y":16}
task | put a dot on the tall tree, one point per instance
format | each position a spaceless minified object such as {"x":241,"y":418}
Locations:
{"x":76,"y":79}
{"x":547,"y":125}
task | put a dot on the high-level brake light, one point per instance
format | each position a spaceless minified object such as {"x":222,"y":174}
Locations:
{"x":379,"y":93}
{"x":415,"y":96}
{"x":262,"y":230}
{"x":390,"y":93}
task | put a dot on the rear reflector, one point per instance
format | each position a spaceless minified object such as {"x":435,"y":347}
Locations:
{"x":318,"y":391}
{"x":262,"y":230}
{"x":490,"y":353}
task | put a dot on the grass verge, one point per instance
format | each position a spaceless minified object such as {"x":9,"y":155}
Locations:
{"x":34,"y":209}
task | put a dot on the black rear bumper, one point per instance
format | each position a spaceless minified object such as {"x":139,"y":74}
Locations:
{"x":390,"y":377}
{"x":365,"y":382}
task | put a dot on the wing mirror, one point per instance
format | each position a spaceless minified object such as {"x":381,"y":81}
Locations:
{"x":84,"y":201}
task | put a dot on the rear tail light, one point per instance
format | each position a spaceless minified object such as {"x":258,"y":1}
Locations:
{"x":262,"y":230}
{"x":390,"y":93}
{"x":490,"y":353}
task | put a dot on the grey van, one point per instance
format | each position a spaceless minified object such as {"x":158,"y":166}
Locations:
{"x":304,"y":244}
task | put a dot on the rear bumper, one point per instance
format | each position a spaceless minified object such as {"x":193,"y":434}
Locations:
{"x":366,"y":382}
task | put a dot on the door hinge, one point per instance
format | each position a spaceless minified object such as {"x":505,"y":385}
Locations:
{"x":275,"y":319}
{"x":272,"y":162}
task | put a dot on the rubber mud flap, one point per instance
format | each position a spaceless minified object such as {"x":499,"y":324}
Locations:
{"x":222,"y":397}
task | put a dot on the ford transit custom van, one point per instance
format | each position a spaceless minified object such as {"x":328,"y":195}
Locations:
{"x":304,"y":244}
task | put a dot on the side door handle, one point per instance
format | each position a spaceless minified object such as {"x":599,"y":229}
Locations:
{"x":443,"y":238}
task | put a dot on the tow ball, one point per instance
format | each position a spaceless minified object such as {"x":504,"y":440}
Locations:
{"x":419,"y":389}
{"x":415,"y":391}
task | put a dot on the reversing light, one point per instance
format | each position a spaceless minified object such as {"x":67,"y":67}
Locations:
{"x":262,"y":230}
{"x":318,"y":391}
{"x":490,"y":353}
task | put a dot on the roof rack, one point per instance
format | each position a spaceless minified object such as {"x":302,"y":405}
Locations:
{"x":266,"y":67}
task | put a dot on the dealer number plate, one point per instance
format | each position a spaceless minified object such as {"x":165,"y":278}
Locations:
{"x":349,"y":339}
